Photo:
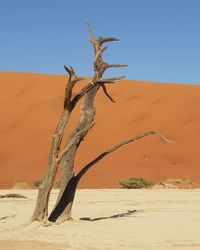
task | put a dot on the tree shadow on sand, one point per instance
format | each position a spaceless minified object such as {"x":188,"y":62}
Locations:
{"x":115,"y":216}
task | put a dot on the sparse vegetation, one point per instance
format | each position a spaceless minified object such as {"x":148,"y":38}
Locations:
{"x":135,"y":183}
{"x":21,"y":185}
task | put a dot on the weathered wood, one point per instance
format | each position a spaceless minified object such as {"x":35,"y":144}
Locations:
{"x":112,"y":149}
{"x":87,"y":115}
{"x":41,"y":209}
{"x":62,"y":210}
{"x":67,"y":164}
{"x":66,"y":156}
{"x":65,"y":203}
{"x":70,"y":101}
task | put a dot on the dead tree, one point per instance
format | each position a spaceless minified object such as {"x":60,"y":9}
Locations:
{"x":65,"y":157}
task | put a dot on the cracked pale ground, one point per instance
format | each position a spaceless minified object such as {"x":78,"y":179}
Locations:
{"x":164,"y":219}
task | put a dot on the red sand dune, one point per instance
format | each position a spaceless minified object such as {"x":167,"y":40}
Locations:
{"x":30,"y":107}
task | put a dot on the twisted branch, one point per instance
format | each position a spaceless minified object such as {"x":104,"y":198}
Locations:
{"x":73,"y":79}
{"x":112,"y":149}
{"x":73,"y":141}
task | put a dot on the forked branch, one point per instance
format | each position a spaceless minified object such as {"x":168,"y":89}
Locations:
{"x":98,"y":54}
{"x":69,"y":70}
{"x":73,"y":141}
{"x":112,"y":149}
{"x":91,"y":85}
{"x":73,"y":79}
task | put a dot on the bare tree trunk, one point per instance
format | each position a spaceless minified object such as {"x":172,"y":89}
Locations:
{"x":67,"y":163}
{"x":66,"y":156}
{"x":64,"y":205}
{"x":62,"y":210}
{"x":86,"y":117}
{"x":41,"y":209}
{"x":68,"y":182}
{"x":55,"y":154}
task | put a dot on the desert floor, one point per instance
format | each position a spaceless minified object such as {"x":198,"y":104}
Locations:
{"x":162,"y":219}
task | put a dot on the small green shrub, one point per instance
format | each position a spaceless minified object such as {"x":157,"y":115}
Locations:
{"x":135,"y":183}
{"x":37,"y":183}
{"x":21,"y":185}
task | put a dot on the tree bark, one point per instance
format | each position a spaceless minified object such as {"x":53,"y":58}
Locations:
{"x":55,"y":156}
{"x":67,"y":164}
{"x":86,"y":117}
{"x":66,"y":155}
{"x":62,"y":210}
{"x":41,"y":209}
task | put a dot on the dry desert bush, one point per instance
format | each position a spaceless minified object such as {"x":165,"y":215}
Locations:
{"x":135,"y":183}
{"x":38,"y":183}
{"x":21,"y":185}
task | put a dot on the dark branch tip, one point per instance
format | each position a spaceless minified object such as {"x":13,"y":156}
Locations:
{"x":108,"y":39}
{"x":69,"y":70}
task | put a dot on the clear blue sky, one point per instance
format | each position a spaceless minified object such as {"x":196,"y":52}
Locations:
{"x":159,"y":39}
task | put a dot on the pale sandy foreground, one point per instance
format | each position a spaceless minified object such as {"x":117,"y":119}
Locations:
{"x":163,"y":219}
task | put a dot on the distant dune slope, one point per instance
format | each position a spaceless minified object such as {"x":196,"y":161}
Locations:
{"x":30,"y":107}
